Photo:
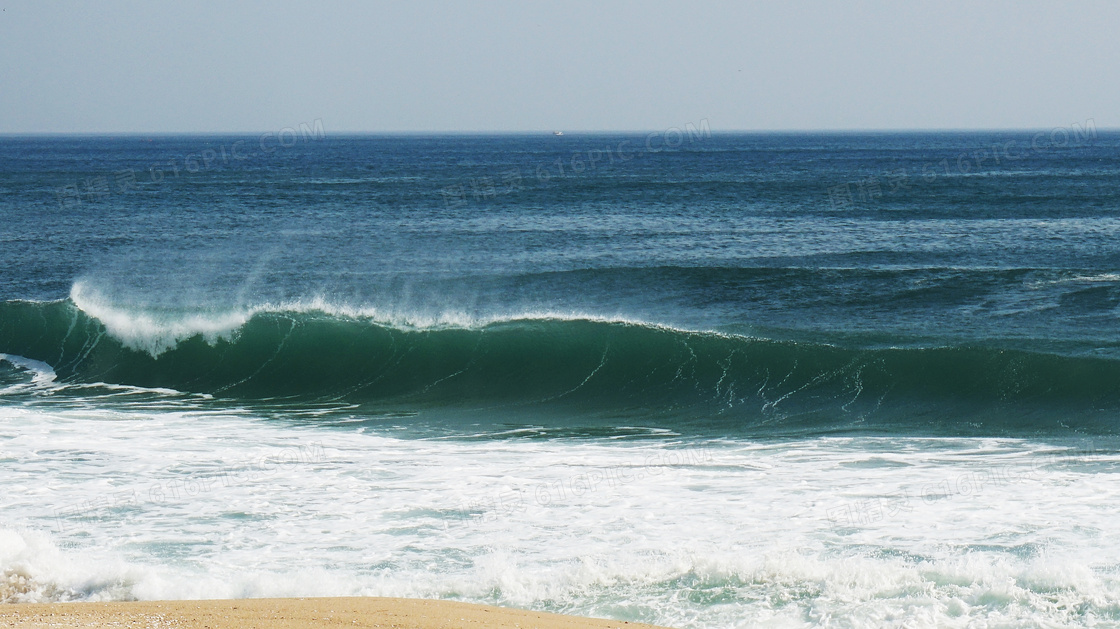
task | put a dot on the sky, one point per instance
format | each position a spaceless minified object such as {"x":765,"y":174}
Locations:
{"x":115,"y":66}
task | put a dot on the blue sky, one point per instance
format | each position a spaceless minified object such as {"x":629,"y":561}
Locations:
{"x":148,"y":67}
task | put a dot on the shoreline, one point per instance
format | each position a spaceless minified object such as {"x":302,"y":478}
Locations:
{"x":293,"y":613}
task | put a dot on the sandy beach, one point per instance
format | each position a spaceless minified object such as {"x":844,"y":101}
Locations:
{"x":282,"y":613}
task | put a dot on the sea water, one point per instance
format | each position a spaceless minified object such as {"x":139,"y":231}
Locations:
{"x":683,"y":377}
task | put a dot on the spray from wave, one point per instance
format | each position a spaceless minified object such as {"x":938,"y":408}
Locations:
{"x":567,"y":365}
{"x":156,"y":331}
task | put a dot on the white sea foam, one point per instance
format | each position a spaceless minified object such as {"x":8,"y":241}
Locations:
{"x":1078,"y":279}
{"x":43,"y":374}
{"x":1100,"y":277}
{"x":34,"y":570}
{"x":779,"y":588}
{"x":856,"y":532}
{"x":156,"y":332}
{"x":152,"y":332}
{"x":43,"y":377}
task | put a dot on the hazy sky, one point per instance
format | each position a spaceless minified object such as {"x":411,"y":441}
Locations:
{"x":115,"y":66}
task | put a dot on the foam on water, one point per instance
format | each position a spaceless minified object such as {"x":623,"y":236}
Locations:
{"x":680,"y":588}
{"x":43,"y":375}
{"x":155,"y":332}
{"x":151,"y":332}
{"x":106,"y":505}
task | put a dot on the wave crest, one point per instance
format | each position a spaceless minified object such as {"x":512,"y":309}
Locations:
{"x":151,"y":332}
{"x":566,"y":366}
{"x":155,"y":332}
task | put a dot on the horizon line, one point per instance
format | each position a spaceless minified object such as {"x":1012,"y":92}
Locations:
{"x":430,"y":133}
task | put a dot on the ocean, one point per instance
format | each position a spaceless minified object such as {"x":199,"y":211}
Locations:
{"x":688,"y":378}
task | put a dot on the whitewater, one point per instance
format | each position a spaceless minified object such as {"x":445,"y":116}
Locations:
{"x":672,"y":530}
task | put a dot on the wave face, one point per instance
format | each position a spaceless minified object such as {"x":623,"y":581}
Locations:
{"x":572,"y":366}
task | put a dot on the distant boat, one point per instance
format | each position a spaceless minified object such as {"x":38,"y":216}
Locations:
{"x":557,"y":133}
